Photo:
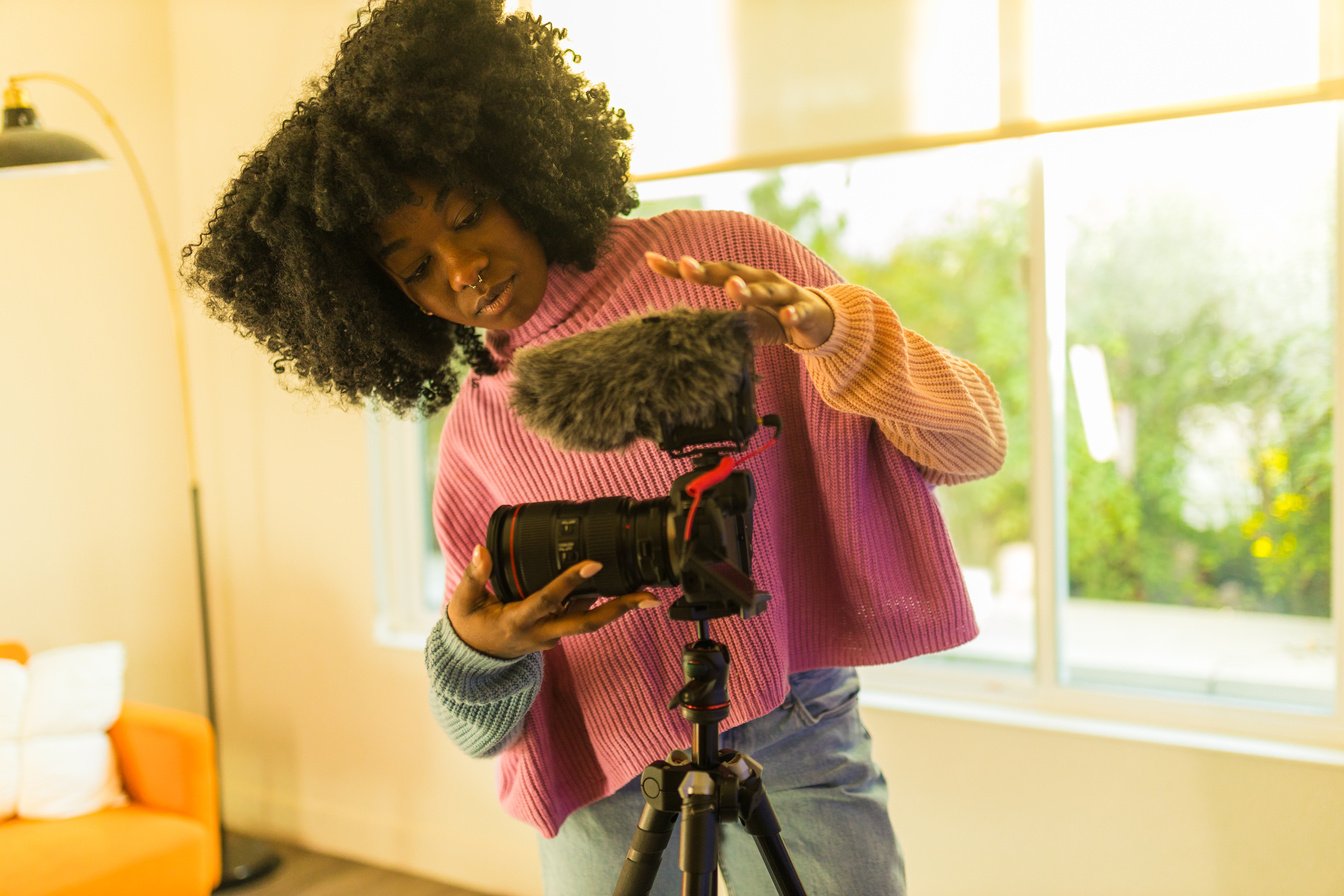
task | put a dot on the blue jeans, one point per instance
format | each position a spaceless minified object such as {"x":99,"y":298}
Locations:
{"x":831,"y":800}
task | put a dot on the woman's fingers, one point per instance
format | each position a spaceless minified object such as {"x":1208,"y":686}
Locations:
{"x":552,"y":599}
{"x":783,"y":311}
{"x":779,"y":310}
{"x":510,"y":630}
{"x":580,"y":618}
{"x":660,"y":265}
{"x":708,"y":273}
{"x":472,"y":591}
{"x":557,"y":609}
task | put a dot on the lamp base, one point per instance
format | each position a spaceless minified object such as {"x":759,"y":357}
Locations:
{"x":244,"y":860}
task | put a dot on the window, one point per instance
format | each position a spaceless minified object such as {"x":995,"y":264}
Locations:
{"x":1195,"y":445}
{"x":1149,"y":269}
{"x":403,"y":459}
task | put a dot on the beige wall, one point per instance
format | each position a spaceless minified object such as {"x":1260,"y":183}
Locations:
{"x":95,"y":538}
{"x":326,"y":740}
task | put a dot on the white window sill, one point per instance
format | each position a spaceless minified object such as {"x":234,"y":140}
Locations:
{"x":1284,"y":660}
{"x":987,"y":713}
{"x":1234,"y":681}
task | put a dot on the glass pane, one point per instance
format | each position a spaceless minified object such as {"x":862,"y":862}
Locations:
{"x":1199,"y":307}
{"x":941,"y":235}
{"x":1093,"y":56}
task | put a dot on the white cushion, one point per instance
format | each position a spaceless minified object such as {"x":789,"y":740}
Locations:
{"x":74,"y":689}
{"x":64,"y":775}
{"x":67,"y":775}
{"x":13,"y":690}
{"x":56,"y":760}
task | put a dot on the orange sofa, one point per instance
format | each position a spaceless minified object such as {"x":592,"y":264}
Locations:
{"x":164,"y":841}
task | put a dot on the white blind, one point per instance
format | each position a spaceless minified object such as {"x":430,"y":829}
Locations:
{"x":721,"y":84}
{"x":1096,"y":56}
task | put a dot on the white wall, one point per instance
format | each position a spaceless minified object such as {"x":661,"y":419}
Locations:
{"x":326,"y":739}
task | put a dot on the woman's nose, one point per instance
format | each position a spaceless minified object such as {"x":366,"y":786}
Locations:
{"x":465,"y":268}
{"x":473,"y":278}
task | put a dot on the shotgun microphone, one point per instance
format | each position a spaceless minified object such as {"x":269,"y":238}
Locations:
{"x":677,"y":377}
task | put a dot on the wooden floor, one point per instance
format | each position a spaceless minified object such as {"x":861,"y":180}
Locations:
{"x":304,"y":873}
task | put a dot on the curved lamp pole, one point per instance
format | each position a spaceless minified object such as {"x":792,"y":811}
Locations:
{"x":27,"y":148}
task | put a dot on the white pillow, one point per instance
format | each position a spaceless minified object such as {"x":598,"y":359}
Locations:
{"x":72,"y":690}
{"x":64,"y":775}
{"x":56,"y":760}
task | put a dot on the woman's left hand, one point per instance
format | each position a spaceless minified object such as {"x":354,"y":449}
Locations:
{"x":780,"y":312}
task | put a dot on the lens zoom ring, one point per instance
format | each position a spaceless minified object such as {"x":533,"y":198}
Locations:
{"x":602,"y":541}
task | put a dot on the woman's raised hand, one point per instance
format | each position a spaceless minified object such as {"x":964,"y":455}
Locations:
{"x":779,"y":310}
{"x":538,"y":622}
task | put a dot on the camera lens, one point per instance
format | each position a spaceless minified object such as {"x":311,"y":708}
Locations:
{"x":531,"y":544}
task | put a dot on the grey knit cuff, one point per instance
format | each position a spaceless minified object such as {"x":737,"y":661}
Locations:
{"x":479,"y":700}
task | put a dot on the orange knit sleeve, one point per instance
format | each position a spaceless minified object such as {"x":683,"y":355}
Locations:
{"x":939,"y":410}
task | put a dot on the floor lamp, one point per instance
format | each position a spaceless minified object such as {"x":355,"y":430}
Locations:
{"x":27,"y":148}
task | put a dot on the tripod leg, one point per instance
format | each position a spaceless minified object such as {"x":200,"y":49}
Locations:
{"x":759,"y":819}
{"x":646,"y":852}
{"x":764,"y":826}
{"x":699,"y":834}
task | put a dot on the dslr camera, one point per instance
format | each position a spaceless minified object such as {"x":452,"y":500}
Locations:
{"x":698,"y":537}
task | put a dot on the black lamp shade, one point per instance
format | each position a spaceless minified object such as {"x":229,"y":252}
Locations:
{"x":24,"y":143}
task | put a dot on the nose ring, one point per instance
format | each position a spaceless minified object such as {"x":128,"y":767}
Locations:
{"x":479,"y":285}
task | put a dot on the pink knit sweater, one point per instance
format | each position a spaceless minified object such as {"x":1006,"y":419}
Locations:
{"x":848,"y":538}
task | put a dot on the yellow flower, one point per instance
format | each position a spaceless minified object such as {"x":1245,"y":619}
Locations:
{"x":1274,"y":460}
{"x":1262,"y":547}
{"x":1287,"y":503}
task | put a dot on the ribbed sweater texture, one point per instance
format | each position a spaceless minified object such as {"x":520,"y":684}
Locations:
{"x":848,"y":537}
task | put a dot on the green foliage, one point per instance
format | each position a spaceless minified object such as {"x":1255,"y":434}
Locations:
{"x":1186,"y":342}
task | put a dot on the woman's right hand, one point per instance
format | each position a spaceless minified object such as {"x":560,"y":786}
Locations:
{"x":538,"y":622}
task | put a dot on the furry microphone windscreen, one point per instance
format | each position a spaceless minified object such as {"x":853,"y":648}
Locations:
{"x":638,"y":377}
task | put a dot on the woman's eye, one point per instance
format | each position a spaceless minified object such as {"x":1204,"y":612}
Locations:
{"x":418,"y":273}
{"x":473,"y":214}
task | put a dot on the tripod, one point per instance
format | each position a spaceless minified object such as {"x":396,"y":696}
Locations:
{"x":699,"y":787}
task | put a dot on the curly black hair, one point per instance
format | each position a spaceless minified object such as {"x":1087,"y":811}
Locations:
{"x":446,"y":91}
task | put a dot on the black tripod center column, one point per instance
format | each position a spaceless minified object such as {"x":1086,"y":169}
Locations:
{"x":704,"y":698}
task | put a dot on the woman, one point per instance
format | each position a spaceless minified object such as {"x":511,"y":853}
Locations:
{"x":452,"y":175}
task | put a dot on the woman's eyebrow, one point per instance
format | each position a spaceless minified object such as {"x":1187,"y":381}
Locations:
{"x":391,"y":247}
{"x":440,"y":199}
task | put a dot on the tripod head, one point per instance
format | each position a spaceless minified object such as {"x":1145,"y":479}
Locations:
{"x":703,"y":699}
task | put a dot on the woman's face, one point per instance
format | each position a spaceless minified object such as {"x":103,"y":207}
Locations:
{"x":462,"y":258}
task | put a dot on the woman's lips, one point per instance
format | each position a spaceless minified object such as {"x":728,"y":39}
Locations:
{"x":496,"y":299}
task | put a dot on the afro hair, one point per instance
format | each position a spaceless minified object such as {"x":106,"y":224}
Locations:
{"x":446,"y":91}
